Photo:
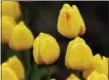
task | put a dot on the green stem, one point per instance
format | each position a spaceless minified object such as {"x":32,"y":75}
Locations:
{"x":79,"y":74}
{"x":48,"y":73}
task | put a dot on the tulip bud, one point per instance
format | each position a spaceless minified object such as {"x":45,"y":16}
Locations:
{"x":78,"y":55}
{"x":97,"y":61}
{"x":8,"y":24}
{"x":11,"y":8}
{"x":22,"y":38}
{"x":8,"y":74}
{"x":96,"y":76}
{"x":72,"y":77}
{"x":70,"y":23}
{"x":17,"y":66}
{"x":4,"y":65}
{"x":45,"y":49}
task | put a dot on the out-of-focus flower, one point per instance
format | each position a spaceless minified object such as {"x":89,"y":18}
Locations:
{"x":78,"y":55}
{"x":70,"y":23}
{"x":4,"y":65}
{"x":11,"y":8}
{"x":17,"y":66}
{"x":8,"y":24}
{"x":7,"y":72}
{"x":99,"y":64}
{"x":22,"y":38}
{"x":72,"y":77}
{"x":97,"y":76}
{"x":45,"y":49}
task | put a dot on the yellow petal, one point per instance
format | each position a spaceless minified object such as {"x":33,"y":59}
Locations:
{"x":79,"y":56}
{"x":70,"y":23}
{"x":22,"y":38}
{"x":97,"y":57}
{"x":62,"y":24}
{"x":76,"y":40}
{"x":87,"y":72}
{"x":8,"y":74}
{"x":97,"y":76}
{"x":8,"y":24}
{"x":97,"y":61}
{"x":93,"y":75}
{"x":47,"y":53}
{"x":102,"y":77}
{"x":16,"y":65}
{"x":82,"y":25}
{"x":11,"y":8}
{"x":4,"y":65}
{"x":106,"y":66}
{"x":36,"y":52}
{"x":72,"y":77}
{"x":66,"y":6}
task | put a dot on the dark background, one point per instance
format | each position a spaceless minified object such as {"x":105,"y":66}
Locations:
{"x":42,"y":17}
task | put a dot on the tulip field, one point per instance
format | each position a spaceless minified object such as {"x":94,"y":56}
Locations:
{"x":51,"y":40}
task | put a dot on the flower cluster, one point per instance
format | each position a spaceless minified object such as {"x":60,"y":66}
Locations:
{"x":46,"y":50}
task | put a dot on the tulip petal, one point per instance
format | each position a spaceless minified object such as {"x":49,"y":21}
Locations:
{"x":8,"y":24}
{"x":11,"y":8}
{"x":49,"y":49}
{"x":97,"y":76}
{"x":62,"y":23}
{"x":82,"y":25}
{"x":16,"y":65}
{"x":79,"y":56}
{"x":4,"y":65}
{"x":73,"y":23}
{"x":36,"y":52}
{"x":8,"y":74}
{"x":22,"y":38}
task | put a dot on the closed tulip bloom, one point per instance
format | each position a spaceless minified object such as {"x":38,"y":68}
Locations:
{"x":45,"y":49}
{"x":4,"y":65}
{"x":97,"y":76}
{"x":8,"y":74}
{"x":78,"y":55}
{"x":11,"y":8}
{"x":22,"y":38}
{"x":8,"y":24}
{"x":17,"y":66}
{"x":99,"y":64}
{"x":72,"y":77}
{"x":70,"y":23}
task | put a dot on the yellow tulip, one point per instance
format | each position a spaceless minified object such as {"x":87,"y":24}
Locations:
{"x":4,"y":65}
{"x":97,"y":76}
{"x":17,"y":66}
{"x":11,"y":8}
{"x":22,"y":38}
{"x":8,"y":24}
{"x":45,"y":49}
{"x":78,"y":55}
{"x":72,"y":77}
{"x":8,"y":74}
{"x":99,"y":64}
{"x":70,"y":23}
